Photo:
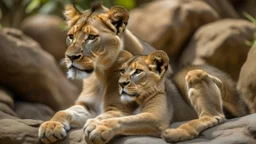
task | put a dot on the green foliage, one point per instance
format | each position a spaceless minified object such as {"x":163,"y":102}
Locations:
{"x":129,"y":4}
{"x":33,"y":5}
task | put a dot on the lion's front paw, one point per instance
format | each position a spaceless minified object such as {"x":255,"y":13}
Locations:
{"x":97,"y":132}
{"x":177,"y":135}
{"x":51,"y":131}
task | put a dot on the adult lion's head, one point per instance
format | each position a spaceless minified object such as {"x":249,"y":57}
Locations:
{"x":143,"y":76}
{"x":92,"y":41}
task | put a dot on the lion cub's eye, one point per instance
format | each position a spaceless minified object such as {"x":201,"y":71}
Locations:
{"x":122,"y":71}
{"x":91,"y":37}
{"x":138,"y":71}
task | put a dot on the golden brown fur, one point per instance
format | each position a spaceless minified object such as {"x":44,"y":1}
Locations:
{"x":97,"y":40}
{"x":141,"y":84}
{"x":95,"y":43}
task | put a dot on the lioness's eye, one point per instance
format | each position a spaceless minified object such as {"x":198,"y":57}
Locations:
{"x":70,"y":39}
{"x":138,"y":71}
{"x":70,"y":36}
{"x":91,"y":37}
{"x":122,"y":71}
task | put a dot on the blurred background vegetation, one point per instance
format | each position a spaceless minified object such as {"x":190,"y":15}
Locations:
{"x":12,"y":12}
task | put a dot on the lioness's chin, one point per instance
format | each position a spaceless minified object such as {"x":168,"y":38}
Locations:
{"x":76,"y":74}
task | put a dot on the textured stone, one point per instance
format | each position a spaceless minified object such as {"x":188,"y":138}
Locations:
{"x":31,"y":73}
{"x":46,"y":30}
{"x":220,"y":44}
{"x":247,"y":80}
{"x":168,"y":24}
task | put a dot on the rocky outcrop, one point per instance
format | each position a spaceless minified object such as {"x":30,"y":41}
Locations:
{"x":234,"y":131}
{"x":46,"y":30}
{"x":17,"y":131}
{"x":31,"y":73}
{"x":224,"y":8}
{"x":220,"y":44}
{"x":247,"y":80}
{"x":168,"y":24}
{"x":36,"y":111}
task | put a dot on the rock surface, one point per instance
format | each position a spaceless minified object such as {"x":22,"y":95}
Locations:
{"x":234,"y":131}
{"x":168,"y":24}
{"x":31,"y":73}
{"x":247,"y":79}
{"x":46,"y":30}
{"x":36,"y":111}
{"x":224,"y":8}
{"x":220,"y":44}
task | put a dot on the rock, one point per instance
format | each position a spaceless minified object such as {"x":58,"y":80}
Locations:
{"x":224,"y":8}
{"x":247,"y":80}
{"x":220,"y":44}
{"x":234,"y":131}
{"x":46,"y":30}
{"x":31,"y":73}
{"x":168,"y":24}
{"x":16,"y":131}
{"x":36,"y":111}
{"x":4,"y":115}
{"x":6,"y":97}
{"x":6,"y":102}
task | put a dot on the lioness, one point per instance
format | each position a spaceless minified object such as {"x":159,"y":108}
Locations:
{"x":96,"y":40}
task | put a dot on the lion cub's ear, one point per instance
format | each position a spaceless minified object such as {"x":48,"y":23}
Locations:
{"x":71,"y":15}
{"x":158,"y":62}
{"x":116,"y":18}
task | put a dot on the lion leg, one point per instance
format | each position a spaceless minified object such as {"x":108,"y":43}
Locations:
{"x":204,"y":93}
{"x":56,"y":128}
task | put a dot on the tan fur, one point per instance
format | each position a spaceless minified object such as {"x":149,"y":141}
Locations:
{"x":207,"y":90}
{"x":97,"y":45}
{"x":97,"y":62}
{"x":150,"y":98}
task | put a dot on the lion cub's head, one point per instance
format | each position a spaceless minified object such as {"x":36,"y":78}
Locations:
{"x":93,"y":41}
{"x":142,"y":76}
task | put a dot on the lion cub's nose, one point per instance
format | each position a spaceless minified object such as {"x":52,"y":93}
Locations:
{"x":123,"y":83}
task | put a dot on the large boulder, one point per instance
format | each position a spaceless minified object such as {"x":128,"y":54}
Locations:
{"x":46,"y":30}
{"x":247,"y":80}
{"x":221,"y":44}
{"x":17,"y":131}
{"x":36,"y":111}
{"x":6,"y":102}
{"x":31,"y":73}
{"x":168,"y":24}
{"x":224,"y":8}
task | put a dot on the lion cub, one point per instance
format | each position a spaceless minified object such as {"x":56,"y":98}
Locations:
{"x":141,"y":84}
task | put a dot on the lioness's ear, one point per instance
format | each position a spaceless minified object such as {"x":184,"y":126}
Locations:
{"x":116,"y":18}
{"x":71,"y":14}
{"x":158,"y":62}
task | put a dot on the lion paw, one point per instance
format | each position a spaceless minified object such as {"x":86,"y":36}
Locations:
{"x":51,"y":131}
{"x":97,"y":132}
{"x":195,"y":76}
{"x":177,"y":135}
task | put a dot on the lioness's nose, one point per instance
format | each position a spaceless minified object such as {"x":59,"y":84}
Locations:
{"x":74,"y":57}
{"x":124,"y":83}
